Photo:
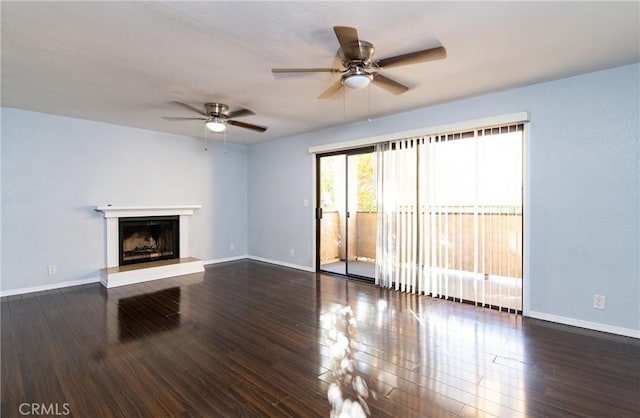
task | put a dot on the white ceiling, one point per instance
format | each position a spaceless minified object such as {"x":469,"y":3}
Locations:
{"x":124,"y":62}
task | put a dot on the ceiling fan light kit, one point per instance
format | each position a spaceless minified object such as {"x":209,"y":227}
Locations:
{"x":357,"y":81}
{"x":216,"y":125}
{"x":359,"y":68}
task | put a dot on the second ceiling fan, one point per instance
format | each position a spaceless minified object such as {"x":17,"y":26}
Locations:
{"x":216,"y":117}
{"x":359,"y":68}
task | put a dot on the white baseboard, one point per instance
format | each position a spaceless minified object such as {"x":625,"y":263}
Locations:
{"x":282,"y":263}
{"x":60,"y":285}
{"x":225,"y":260}
{"x":628,"y":332}
{"x":48,"y":287}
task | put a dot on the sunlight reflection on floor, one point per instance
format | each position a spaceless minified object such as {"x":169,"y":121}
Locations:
{"x":349,"y":393}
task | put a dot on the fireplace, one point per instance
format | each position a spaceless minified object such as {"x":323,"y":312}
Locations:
{"x":151,"y":238}
{"x":147,"y":243}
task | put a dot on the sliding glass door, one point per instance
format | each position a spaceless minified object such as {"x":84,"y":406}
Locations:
{"x":346,"y":214}
{"x":439,"y":215}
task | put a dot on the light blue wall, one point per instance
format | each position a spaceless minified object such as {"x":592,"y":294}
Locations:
{"x":56,"y":169}
{"x":584,"y":189}
{"x":227,"y":188}
{"x":280,"y":181}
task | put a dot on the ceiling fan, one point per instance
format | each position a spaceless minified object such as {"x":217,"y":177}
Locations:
{"x":217,"y":117}
{"x":359,"y":67}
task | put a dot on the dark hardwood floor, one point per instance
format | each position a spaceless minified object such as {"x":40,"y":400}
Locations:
{"x":248,"y":339}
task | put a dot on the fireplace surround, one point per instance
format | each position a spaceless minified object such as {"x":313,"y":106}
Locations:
{"x":135,"y":268}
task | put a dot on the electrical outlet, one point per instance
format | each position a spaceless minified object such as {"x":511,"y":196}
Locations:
{"x":232,"y":246}
{"x":292,"y":252}
{"x":52,"y":269}
{"x":598,"y":301}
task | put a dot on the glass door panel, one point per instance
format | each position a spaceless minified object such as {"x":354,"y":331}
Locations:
{"x":361,"y":215}
{"x":332,"y":218}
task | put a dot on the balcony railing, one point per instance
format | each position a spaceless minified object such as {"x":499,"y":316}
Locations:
{"x":499,"y":239}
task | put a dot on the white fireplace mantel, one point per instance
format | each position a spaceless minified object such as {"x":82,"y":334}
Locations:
{"x":112,"y":276}
{"x":133,"y":211}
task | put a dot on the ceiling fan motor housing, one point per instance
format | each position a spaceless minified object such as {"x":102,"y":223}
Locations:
{"x":356,"y":58}
{"x":215,"y":109}
{"x":217,"y":121}
{"x":358,"y":53}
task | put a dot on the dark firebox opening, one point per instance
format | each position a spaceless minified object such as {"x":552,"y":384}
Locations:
{"x":149,"y":239}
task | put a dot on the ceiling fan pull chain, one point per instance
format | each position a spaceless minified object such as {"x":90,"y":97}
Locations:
{"x":344,"y":103}
{"x":369,"y":93}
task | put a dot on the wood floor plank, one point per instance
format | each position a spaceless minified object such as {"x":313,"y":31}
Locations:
{"x":249,"y":339}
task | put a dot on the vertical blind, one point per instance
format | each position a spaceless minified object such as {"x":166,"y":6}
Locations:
{"x":450,"y":215}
